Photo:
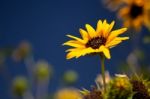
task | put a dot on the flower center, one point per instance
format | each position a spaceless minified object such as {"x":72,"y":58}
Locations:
{"x":136,"y":10}
{"x":96,"y":42}
{"x":94,"y":94}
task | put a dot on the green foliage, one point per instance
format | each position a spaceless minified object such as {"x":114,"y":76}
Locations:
{"x":119,"y":88}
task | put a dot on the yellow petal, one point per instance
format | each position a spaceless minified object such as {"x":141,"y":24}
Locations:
{"x":105,"y":51}
{"x":112,"y":44}
{"x":99,"y":27}
{"x":123,"y":12}
{"x":90,"y":30}
{"x":111,"y":26}
{"x":74,"y":53}
{"x":127,"y":23}
{"x":83,"y":52}
{"x":137,"y":23}
{"x":84,"y":34}
{"x":70,"y":55}
{"x":116,"y":41}
{"x":74,"y":41}
{"x":74,"y":49}
{"x":105,"y":22}
{"x":77,"y":52}
{"x":147,"y":20}
{"x":87,"y":51}
{"x":115,"y":33}
{"x":122,"y":38}
{"x":105,"y":29}
{"x":76,"y":38}
{"x":128,"y":1}
{"x":74,"y":44}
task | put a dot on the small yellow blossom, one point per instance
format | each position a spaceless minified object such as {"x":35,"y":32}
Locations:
{"x":122,"y":81}
{"x":68,"y":94}
{"x":95,"y":41}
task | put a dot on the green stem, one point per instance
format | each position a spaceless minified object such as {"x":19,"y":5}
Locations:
{"x":103,"y":70}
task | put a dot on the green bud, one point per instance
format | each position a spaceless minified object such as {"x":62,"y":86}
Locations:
{"x":70,"y":77}
{"x":19,"y":85}
{"x":120,"y":87}
{"x":43,"y":70}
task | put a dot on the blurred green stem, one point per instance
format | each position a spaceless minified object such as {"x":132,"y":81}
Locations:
{"x":103,"y":70}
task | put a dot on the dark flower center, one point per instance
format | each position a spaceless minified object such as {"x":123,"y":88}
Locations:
{"x":96,"y":42}
{"x":141,"y":91}
{"x":139,"y":95}
{"x":136,"y":10}
{"x":138,"y":86}
{"x":94,"y":94}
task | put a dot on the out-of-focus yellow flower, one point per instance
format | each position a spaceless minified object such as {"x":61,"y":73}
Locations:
{"x":19,"y":85}
{"x":68,"y":94}
{"x":135,"y":13}
{"x":43,"y":70}
{"x":95,"y":41}
{"x":122,"y":81}
{"x":22,"y":51}
{"x":70,"y":77}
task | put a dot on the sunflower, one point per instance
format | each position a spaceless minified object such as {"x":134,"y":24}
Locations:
{"x":135,"y":13}
{"x":68,"y":93}
{"x":95,"y":41}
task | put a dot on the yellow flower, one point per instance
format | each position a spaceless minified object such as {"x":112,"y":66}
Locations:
{"x":68,"y":94}
{"x":122,"y":81}
{"x":95,"y":41}
{"x":135,"y":13}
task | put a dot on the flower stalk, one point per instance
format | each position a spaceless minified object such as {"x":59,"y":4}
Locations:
{"x":102,"y":57}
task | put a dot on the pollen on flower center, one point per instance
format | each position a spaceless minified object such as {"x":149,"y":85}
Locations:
{"x":136,"y":10}
{"x":96,"y":42}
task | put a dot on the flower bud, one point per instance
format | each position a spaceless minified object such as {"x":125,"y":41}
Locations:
{"x":43,"y":70}
{"x":19,"y":85}
{"x":70,"y":77}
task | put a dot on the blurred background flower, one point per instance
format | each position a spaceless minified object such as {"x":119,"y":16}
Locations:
{"x":22,"y":51}
{"x":20,"y":86}
{"x":43,"y":70}
{"x":68,"y":94}
{"x":70,"y":77}
{"x":135,"y":14}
